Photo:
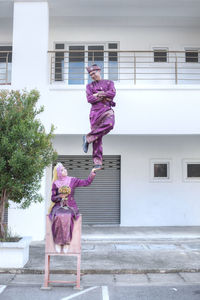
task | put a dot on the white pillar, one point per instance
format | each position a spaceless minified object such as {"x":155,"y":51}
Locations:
{"x":30,"y":70}
{"x":30,"y":44}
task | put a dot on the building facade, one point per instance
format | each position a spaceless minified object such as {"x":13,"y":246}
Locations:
{"x":150,"y":50}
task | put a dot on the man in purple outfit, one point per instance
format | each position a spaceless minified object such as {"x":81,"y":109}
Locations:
{"x":100,"y":94}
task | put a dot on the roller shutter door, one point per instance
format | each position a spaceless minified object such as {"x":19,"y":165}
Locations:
{"x":99,"y":203}
{"x":6,"y":216}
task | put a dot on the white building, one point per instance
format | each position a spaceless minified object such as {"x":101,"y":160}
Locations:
{"x":151,"y":50}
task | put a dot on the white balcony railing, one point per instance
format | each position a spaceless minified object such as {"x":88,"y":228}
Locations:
{"x":5,"y":67}
{"x":129,"y":67}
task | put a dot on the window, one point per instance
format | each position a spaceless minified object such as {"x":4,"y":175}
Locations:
{"x":5,"y":64}
{"x":191,"y":170}
{"x":70,"y":65}
{"x":59,"y":63}
{"x":192,"y":56}
{"x":76,"y":65}
{"x":113,"y":62}
{"x":96,"y":57}
{"x":160,"y":55}
{"x":160,"y":170}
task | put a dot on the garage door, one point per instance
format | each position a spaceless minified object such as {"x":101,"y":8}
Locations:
{"x":6,"y":216}
{"x":99,"y":203}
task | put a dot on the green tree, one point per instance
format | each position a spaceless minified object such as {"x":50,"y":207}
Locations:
{"x":25,"y":149}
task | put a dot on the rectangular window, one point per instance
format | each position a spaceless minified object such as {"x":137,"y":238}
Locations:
{"x":191,"y":170}
{"x":5,"y":64}
{"x":76,"y":65}
{"x":160,"y":55}
{"x":96,"y":57}
{"x":70,"y":65}
{"x":59,"y":63}
{"x":192,"y":56}
{"x":160,"y":170}
{"x":113,"y":62}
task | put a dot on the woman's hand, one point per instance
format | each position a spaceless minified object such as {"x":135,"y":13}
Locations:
{"x":62,"y":196}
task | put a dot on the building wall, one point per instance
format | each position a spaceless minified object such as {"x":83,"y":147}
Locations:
{"x":143,"y":202}
{"x":29,"y":221}
{"x":150,"y":109}
{"x":130,"y":37}
{"x":140,"y":110}
{"x":146,"y":203}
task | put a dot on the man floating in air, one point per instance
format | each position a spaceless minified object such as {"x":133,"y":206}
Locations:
{"x":100,"y":94}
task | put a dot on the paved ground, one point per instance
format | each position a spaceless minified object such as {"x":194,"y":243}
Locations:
{"x":119,"y":250}
{"x":122,"y":263}
{"x":149,"y":286}
{"x":122,"y":257}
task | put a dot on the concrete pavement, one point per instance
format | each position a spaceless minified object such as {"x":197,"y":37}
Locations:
{"x":103,"y":287}
{"x":118,"y":250}
{"x":128,"y":263}
{"x":105,"y":279}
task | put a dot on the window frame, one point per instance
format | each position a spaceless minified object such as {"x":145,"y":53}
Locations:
{"x":161,"y":49}
{"x":86,"y":45}
{"x":192,"y":49}
{"x":185,"y":163}
{"x":166,"y":161}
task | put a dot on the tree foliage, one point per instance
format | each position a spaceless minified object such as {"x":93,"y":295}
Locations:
{"x":25,"y":148}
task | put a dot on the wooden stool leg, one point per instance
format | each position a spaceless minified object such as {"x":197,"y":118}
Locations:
{"x":78,"y":278}
{"x":47,"y":268}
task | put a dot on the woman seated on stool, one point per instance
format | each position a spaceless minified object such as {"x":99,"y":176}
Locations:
{"x":64,"y":210}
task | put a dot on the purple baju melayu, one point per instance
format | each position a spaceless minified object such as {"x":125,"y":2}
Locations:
{"x":101,"y":115}
{"x":64,"y":212}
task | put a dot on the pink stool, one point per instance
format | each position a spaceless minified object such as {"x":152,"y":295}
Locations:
{"x":74,"y":250}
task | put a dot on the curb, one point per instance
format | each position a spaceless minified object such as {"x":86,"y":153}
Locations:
{"x":99,"y":271}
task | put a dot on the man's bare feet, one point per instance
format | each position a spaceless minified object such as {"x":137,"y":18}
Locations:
{"x":97,"y":167}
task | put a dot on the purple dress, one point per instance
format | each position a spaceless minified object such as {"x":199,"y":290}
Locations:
{"x":101,"y":115}
{"x":63,"y":213}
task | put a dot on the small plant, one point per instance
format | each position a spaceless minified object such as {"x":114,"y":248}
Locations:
{"x":9,"y":236}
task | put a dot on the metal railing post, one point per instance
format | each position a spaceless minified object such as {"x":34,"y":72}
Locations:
{"x":7,"y":68}
{"x":176,"y":71}
{"x":92,"y":57}
{"x":134,"y":68}
{"x":51,"y":70}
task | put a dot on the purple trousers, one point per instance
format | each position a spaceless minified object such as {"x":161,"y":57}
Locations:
{"x":101,"y":127}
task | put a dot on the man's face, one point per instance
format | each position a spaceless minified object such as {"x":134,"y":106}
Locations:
{"x":95,"y":75}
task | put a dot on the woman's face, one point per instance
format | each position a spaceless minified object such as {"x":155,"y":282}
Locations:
{"x":64,"y":171}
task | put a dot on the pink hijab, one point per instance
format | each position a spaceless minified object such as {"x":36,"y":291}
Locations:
{"x":62,"y":180}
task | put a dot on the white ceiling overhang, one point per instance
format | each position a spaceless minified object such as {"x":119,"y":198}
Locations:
{"x":123,"y":12}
